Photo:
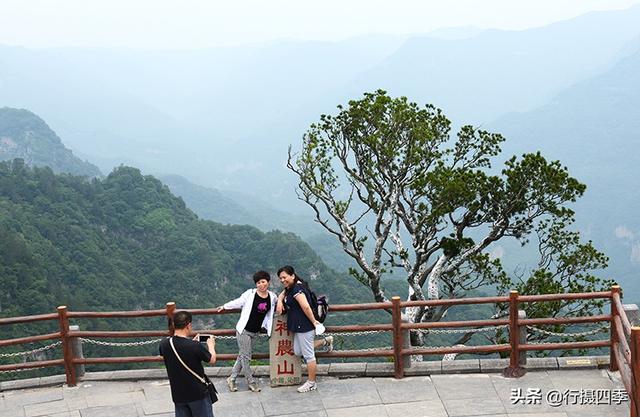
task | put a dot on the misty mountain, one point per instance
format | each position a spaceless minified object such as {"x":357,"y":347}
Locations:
{"x":26,"y":136}
{"x":593,"y":128}
{"x":228,"y":207}
{"x":223,"y":117}
{"x":479,"y":78}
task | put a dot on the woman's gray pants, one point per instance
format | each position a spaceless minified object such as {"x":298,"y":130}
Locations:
{"x":245,"y":340}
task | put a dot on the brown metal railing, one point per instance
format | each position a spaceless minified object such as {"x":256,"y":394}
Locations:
{"x":624,"y":342}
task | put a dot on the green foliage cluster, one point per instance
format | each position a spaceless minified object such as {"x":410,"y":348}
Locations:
{"x":127,"y":242}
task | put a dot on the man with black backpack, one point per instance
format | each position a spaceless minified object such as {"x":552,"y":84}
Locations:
{"x":191,"y":391}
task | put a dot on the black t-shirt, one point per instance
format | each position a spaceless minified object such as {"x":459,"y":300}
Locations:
{"x":184,"y":386}
{"x":259,"y":310}
{"x":297,"y":321}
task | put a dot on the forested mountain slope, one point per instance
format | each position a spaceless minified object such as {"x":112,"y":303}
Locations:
{"x":238,"y":208}
{"x":125,"y":242}
{"x":24,"y":135}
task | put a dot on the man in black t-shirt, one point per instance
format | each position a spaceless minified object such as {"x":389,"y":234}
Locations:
{"x":189,"y":394}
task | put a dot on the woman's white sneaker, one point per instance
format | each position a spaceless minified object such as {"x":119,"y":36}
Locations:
{"x":308,"y":386}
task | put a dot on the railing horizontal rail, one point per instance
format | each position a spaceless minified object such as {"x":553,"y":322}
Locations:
{"x":622,"y":341}
{"x":360,"y":307}
{"x":565,"y":320}
{"x":209,"y":311}
{"x":334,"y":308}
{"x":566,"y":345}
{"x":466,"y":323}
{"x":115,"y":314}
{"x":28,"y":319}
{"x":565,"y":297}
{"x":356,"y":353}
{"x":29,"y":365}
{"x":134,"y":359}
{"x":455,"y":301}
{"x":216,"y":332}
{"x":360,"y":328}
{"x":130,"y":333}
{"x":457,"y":349}
{"x":623,"y":367}
{"x":30,"y":339}
{"x":121,"y":359}
{"x":626,"y":325}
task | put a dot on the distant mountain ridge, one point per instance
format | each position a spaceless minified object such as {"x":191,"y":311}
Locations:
{"x":237,"y":208}
{"x":26,"y":136}
{"x":593,"y":127}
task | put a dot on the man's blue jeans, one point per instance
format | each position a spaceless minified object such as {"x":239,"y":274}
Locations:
{"x":200,"y":408}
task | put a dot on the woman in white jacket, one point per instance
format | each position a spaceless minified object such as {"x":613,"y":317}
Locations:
{"x":258,"y":305}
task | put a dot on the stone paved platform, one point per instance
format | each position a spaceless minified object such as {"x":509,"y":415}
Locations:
{"x":137,"y":394}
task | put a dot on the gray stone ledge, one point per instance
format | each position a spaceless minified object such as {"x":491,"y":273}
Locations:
{"x":322,"y":369}
{"x":583,"y":362}
{"x":223,"y":371}
{"x":19,"y":384}
{"x":424,"y":368}
{"x":540,"y":364}
{"x":380,"y":369}
{"x":493,"y":365}
{"x":464,"y":366}
{"x":338,"y":369}
{"x":352,"y":369}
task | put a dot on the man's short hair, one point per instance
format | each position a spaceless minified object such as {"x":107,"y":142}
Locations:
{"x":261,"y":275}
{"x":181,"y":319}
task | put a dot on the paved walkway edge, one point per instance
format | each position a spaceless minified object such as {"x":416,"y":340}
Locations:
{"x":340,"y":370}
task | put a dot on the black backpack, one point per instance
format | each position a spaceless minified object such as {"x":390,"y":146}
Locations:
{"x":319,"y":306}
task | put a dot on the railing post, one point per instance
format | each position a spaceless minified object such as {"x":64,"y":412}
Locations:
{"x":76,"y":349}
{"x":397,"y":338}
{"x":171,"y":309}
{"x":69,"y":367}
{"x":635,"y":371}
{"x":522,"y":359}
{"x":406,"y":344}
{"x":514,"y":370}
{"x":613,"y":364}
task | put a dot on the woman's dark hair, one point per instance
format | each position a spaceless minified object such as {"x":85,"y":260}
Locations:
{"x":290,"y":271}
{"x":261,"y":275}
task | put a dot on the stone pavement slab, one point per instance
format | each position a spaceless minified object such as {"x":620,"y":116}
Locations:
{"x":348,"y":393}
{"x":431,"y":408}
{"x":126,"y":410}
{"x":320,"y":413}
{"x":481,"y":406}
{"x":377,"y":410}
{"x":463,"y":386}
{"x":46,"y":409}
{"x":20,"y":398}
{"x":530,"y":381}
{"x":405,"y":390}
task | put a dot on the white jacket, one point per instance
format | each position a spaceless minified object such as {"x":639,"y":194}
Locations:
{"x":245,"y":301}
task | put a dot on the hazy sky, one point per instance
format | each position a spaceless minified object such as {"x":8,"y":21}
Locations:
{"x":204,"y":23}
